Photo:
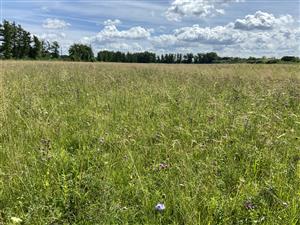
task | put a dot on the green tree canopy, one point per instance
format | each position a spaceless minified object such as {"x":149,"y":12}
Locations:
{"x":81,"y":52}
{"x":17,"y":43}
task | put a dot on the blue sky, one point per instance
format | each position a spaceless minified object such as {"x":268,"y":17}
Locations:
{"x":229,"y":27}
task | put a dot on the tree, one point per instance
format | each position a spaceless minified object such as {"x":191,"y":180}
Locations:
{"x":145,"y":57}
{"x":188,"y":58}
{"x":162,"y":59}
{"x":25,"y":44}
{"x":290,"y":59}
{"x":21,"y":40}
{"x":36,"y":51}
{"x":46,"y":49}
{"x":81,"y":52}
{"x":211,"y":57}
{"x":105,"y":56}
{"x":16,"y":42}
{"x":179,"y":58}
{"x":54,"y":50}
{"x":138,"y":57}
{"x":6,"y":34}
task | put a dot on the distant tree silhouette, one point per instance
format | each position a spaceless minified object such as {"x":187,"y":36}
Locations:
{"x":81,"y":52}
{"x":6,"y":33}
{"x":36,"y":51}
{"x":18,"y":43}
{"x":54,"y":50}
{"x":290,"y":59}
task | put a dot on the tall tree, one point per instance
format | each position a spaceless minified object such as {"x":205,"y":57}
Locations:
{"x":16,"y":40}
{"x":188,"y":58}
{"x":36,"y":51}
{"x":179,"y":58}
{"x":81,"y":52}
{"x":6,"y":34}
{"x":54,"y":50}
{"x":46,"y":49}
{"x":25,"y":44}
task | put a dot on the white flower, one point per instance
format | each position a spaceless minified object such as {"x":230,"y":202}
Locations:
{"x":16,"y":220}
{"x":160,"y":207}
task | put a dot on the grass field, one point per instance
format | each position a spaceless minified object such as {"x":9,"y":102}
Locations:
{"x":92,"y":143}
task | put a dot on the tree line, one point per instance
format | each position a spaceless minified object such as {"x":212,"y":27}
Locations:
{"x":189,"y":58}
{"x":139,"y":57}
{"x":17,"y":43}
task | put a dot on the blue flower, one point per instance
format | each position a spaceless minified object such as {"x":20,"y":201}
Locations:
{"x":160,"y":207}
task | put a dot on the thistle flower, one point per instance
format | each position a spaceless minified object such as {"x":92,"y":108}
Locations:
{"x":249,"y":205}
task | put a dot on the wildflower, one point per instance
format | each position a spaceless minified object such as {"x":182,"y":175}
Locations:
{"x":101,"y":140}
{"x":16,"y":220}
{"x":160,"y":207}
{"x":163,"y":166}
{"x":249,"y":205}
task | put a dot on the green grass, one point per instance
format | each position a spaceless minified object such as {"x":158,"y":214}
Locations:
{"x":82,"y":143}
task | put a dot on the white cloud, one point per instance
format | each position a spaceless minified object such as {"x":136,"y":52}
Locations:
{"x":195,"y":36}
{"x":274,"y":38}
{"x":196,"y":8}
{"x":164,"y":40}
{"x":275,"y":41}
{"x":277,"y":38}
{"x":262,"y":21}
{"x":52,"y":36}
{"x":112,"y":22}
{"x":55,"y":24}
{"x":110,"y":33}
{"x":121,"y":46}
{"x":111,"y":38}
{"x":210,"y":35}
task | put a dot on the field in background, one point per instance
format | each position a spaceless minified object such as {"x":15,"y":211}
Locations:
{"x":92,"y":143}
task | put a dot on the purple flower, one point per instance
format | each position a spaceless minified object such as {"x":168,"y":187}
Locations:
{"x":249,"y":205}
{"x":160,"y":207}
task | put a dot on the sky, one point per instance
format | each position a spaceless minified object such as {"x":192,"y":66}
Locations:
{"x":229,"y":27}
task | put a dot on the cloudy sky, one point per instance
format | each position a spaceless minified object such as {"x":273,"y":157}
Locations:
{"x":228,"y":27}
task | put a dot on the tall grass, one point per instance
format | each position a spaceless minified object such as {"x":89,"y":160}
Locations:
{"x":84,"y":143}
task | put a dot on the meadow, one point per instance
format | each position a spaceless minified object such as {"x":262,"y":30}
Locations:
{"x":96,"y":143}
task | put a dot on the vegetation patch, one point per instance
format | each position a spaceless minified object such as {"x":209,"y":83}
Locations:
{"x":96,"y":143}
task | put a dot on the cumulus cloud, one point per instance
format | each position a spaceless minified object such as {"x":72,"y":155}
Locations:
{"x":197,"y":8}
{"x":112,"y":38}
{"x":196,"y":35}
{"x":209,"y":35}
{"x":110,"y":33}
{"x":262,"y":21}
{"x":164,"y":40}
{"x":268,"y":38}
{"x":275,"y":41}
{"x":55,"y":24}
{"x":269,"y":35}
